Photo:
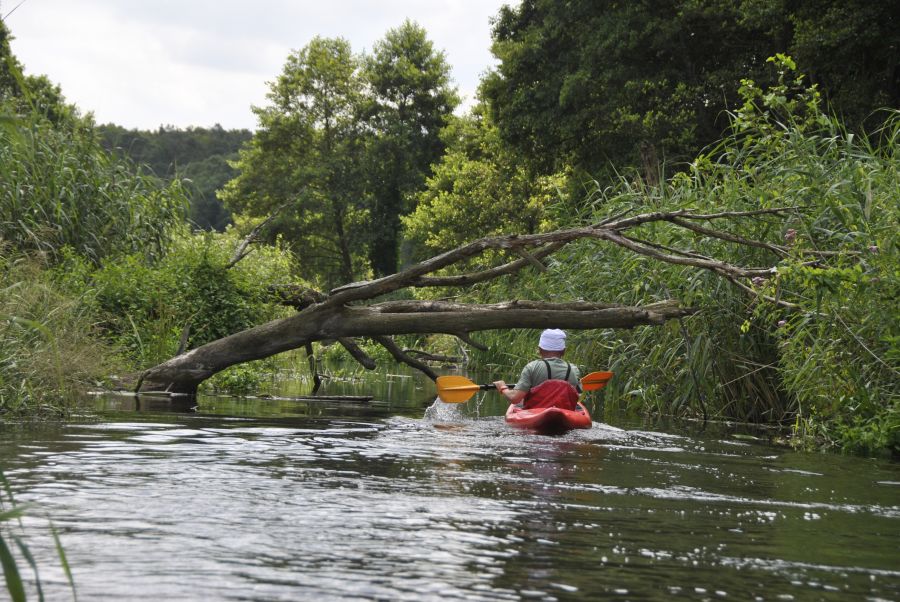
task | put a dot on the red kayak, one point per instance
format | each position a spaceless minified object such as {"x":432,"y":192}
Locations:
{"x":547,"y":421}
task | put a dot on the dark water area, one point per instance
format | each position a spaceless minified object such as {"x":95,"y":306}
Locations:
{"x":405,"y":499}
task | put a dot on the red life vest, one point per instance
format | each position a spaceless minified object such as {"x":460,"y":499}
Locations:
{"x":552,"y":393}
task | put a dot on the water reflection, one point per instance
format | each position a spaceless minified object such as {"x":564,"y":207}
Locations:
{"x":401,"y":499}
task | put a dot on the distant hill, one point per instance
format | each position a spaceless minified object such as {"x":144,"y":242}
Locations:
{"x":200,"y":155}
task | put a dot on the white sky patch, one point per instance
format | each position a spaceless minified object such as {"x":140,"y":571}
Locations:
{"x":146,"y":63}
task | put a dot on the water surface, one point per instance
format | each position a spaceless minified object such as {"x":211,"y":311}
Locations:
{"x":393,"y":500}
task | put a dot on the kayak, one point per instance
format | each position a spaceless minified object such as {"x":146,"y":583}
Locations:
{"x":546,"y":421}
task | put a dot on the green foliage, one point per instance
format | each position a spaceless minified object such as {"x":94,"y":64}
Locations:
{"x":306,"y":160}
{"x":838,"y":350}
{"x":412,"y":99}
{"x":146,"y":306}
{"x":830,"y":364}
{"x":58,"y":189}
{"x":199,"y":156}
{"x":49,"y":351}
{"x":593,"y":84}
{"x":342,"y":147}
{"x":240,"y":379}
{"x":478,"y":189}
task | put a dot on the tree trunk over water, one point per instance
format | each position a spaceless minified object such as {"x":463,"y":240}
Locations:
{"x":335,"y":316}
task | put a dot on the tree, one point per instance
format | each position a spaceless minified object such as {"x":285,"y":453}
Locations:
{"x":347,"y":311}
{"x":198,"y":156}
{"x":307,"y":158}
{"x":478,"y":187}
{"x":590,"y":84}
{"x":412,"y":101}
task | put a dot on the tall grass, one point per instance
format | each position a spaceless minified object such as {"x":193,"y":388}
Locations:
{"x":830,"y":366}
{"x":59,"y":189}
{"x":49,"y":348}
{"x":11,"y":539}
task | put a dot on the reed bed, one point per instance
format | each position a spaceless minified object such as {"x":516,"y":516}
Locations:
{"x":829,"y":367}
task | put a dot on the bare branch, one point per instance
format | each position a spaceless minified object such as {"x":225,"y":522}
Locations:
{"x":294,"y":295}
{"x":389,"y":344}
{"x":753,"y":293}
{"x":416,"y":274}
{"x":531,"y":259}
{"x":475,"y":277}
{"x":407,"y":306}
{"x":357,"y":353}
{"x":668,"y":216}
{"x":465,"y":338}
{"x":720,"y":267}
{"x":613,"y":218}
{"x":336,"y":315}
{"x":777,"y":249}
{"x":669,"y":249}
{"x":241,"y":251}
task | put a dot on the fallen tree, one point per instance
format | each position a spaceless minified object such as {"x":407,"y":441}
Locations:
{"x":347,"y":312}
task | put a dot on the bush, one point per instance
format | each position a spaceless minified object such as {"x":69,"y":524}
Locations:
{"x":146,"y":306}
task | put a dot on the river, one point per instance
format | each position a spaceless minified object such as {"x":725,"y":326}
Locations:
{"x":403,"y":499}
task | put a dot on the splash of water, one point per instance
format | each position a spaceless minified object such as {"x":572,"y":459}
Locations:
{"x":443,"y":412}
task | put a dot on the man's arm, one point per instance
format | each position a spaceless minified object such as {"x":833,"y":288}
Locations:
{"x":513,"y":395}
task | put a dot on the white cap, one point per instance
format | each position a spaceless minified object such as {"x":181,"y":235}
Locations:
{"x":553,"y":339}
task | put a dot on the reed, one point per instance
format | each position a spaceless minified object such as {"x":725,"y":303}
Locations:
{"x":12,"y":542}
{"x":59,"y":189}
{"x":50,"y":351}
{"x":830,"y":366}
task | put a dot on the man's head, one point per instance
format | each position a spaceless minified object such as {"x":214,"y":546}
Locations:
{"x":552,"y":343}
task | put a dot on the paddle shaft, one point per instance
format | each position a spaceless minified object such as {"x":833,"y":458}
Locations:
{"x":459,"y":389}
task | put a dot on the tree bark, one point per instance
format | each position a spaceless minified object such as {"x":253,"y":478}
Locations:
{"x":337,"y":314}
{"x":182,"y":374}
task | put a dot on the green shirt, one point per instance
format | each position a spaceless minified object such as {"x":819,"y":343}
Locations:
{"x":534,"y":373}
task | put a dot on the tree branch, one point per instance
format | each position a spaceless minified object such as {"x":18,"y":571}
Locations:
{"x":241,"y":251}
{"x":336,"y":316}
{"x":490,"y":274}
{"x":777,"y":249}
{"x":720,"y":267}
{"x":465,"y":338}
{"x":398,"y":354}
{"x":357,"y":353}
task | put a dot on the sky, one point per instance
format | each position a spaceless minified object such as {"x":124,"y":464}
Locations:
{"x":146,"y":63}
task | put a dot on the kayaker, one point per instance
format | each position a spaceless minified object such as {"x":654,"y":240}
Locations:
{"x":547,"y":382}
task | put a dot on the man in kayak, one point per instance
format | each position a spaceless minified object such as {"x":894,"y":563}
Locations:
{"x":548,"y":382}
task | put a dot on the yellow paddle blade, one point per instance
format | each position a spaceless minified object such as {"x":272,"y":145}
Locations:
{"x":456,"y":389}
{"x":595,"y":380}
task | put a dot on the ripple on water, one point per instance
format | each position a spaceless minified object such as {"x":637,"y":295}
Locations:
{"x":450,"y":507}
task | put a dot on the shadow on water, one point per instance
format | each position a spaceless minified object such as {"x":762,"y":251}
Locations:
{"x":407,"y":498}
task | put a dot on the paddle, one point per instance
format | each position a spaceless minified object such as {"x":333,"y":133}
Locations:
{"x":459,"y":389}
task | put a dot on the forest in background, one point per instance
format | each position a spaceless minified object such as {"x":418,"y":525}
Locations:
{"x":197,"y":156}
{"x":363,"y":167}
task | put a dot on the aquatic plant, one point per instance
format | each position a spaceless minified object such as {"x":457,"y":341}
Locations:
{"x":49,"y":346}
{"x":15,"y":584}
{"x":813,"y":346}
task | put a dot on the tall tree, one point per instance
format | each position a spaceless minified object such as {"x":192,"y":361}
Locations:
{"x":412,"y":100}
{"x":593,"y":83}
{"x":306,"y":159}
